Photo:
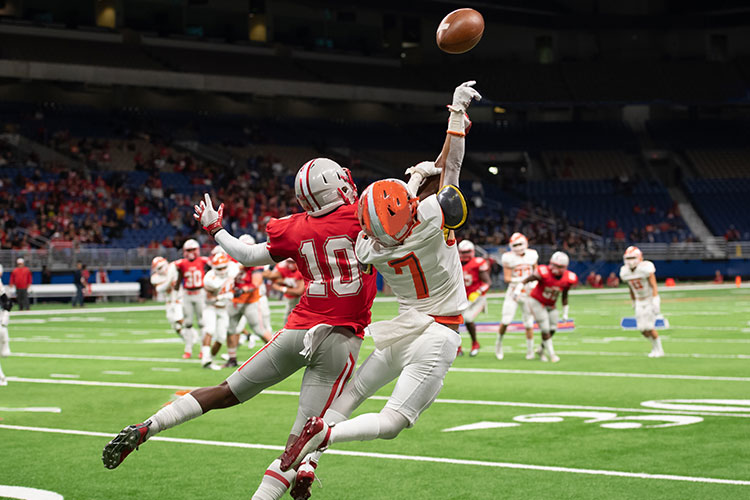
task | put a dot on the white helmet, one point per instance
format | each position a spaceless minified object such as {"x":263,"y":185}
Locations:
{"x":466,"y":250}
{"x":191,"y":244}
{"x":322,"y":185}
{"x":159,"y":265}
{"x":217,"y":249}
{"x":247,"y":239}
{"x":632,"y":257}
{"x":560,"y":259}
{"x":519,"y":243}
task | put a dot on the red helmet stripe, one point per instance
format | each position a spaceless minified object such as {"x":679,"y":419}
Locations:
{"x":307,"y":180}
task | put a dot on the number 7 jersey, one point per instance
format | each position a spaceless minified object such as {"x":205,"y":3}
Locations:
{"x":424,"y":272}
{"x":336,"y":291}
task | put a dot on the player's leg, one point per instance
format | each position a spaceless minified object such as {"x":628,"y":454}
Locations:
{"x":265,"y":318}
{"x":509,"y":311}
{"x":187,"y":329}
{"x":645,"y":320}
{"x":200,"y":305}
{"x":541,"y":316}
{"x":470,"y":315}
{"x":528,"y":323}
{"x":553,"y":316}
{"x":330,"y":365}
{"x":4,"y":342}
{"x":209,"y":323}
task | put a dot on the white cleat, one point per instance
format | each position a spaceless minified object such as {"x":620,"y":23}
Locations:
{"x":657,"y":354}
{"x":544,"y":357}
{"x":530,"y":355}
{"x":652,"y":354}
{"x":554,"y":358}
{"x":499,"y":355}
{"x":3,"y":381}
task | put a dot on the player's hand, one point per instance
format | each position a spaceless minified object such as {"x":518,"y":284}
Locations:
{"x":425,"y":169}
{"x":210,"y":219}
{"x":473,"y":296}
{"x":462,"y":97}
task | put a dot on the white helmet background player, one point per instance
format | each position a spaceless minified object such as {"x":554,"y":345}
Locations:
{"x":519,"y":243}
{"x":560,"y":259}
{"x":632,"y":257}
{"x":322,"y":185}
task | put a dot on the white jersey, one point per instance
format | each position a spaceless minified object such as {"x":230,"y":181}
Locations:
{"x":164,"y":283}
{"x":424,"y":272}
{"x":219,"y":289}
{"x":637,"y":279}
{"x":521,"y":266}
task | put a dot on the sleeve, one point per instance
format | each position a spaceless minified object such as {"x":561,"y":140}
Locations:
{"x":362,"y":249}
{"x":212,"y":283}
{"x":453,"y":205}
{"x":543,"y":271}
{"x":622,"y":271}
{"x":277,"y":244}
{"x":248,"y":255}
{"x":505,"y":260}
{"x":535,"y":256}
{"x":572,"y":278}
{"x":648,"y":267}
{"x":430,"y":212}
{"x":484,"y":265}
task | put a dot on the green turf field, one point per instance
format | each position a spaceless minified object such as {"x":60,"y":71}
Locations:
{"x":596,"y":425}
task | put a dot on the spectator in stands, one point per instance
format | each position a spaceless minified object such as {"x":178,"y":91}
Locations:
{"x":612,"y":280}
{"x":46,"y":275}
{"x":594,"y":280}
{"x":80,"y":284}
{"x":21,"y":279}
{"x":732,"y":234}
{"x":718,"y":278}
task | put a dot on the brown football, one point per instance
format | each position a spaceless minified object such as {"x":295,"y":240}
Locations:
{"x":460,"y":31}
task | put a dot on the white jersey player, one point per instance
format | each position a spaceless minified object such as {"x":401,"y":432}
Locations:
{"x":404,"y":240}
{"x":5,"y":306}
{"x":219,"y":286}
{"x":640,"y":276}
{"x":518,"y":264}
{"x":164,"y":278}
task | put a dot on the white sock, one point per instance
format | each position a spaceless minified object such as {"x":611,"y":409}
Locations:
{"x":184,"y":409}
{"x":187,"y":338}
{"x":499,"y":341}
{"x":4,"y":342}
{"x":653,"y":343}
{"x":657,"y":344}
{"x":529,"y":346}
{"x":2,"y":375}
{"x":547,"y":345}
{"x":206,"y":354}
{"x":275,"y":482}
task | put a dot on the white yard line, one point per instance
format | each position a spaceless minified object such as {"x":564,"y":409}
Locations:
{"x":32,"y":409}
{"x":411,"y":458}
{"x":103,"y":358}
{"x":270,"y":392}
{"x":601,"y":374}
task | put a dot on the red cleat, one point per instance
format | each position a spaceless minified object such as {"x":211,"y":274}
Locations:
{"x":303,"y":482}
{"x":186,"y":355}
{"x":474,"y":349}
{"x":314,"y":436}
{"x":459,"y":352}
{"x":129,"y":439}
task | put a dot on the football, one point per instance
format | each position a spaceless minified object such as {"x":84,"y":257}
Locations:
{"x":460,"y":31}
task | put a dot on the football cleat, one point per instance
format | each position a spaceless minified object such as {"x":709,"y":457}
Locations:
{"x":530,"y":355}
{"x":187,"y":355}
{"x":474,"y":349}
{"x":554,"y":358}
{"x":3,"y":381}
{"x":459,"y":352}
{"x":232,"y":363}
{"x":129,"y":439}
{"x":314,"y":436}
{"x":544,"y":357}
{"x":303,"y":482}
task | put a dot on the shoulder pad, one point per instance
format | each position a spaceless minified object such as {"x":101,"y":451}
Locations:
{"x":453,"y":205}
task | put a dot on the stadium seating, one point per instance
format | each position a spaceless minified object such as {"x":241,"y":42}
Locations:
{"x":723,"y":204}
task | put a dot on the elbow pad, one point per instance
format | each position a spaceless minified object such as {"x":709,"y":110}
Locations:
{"x":453,"y":205}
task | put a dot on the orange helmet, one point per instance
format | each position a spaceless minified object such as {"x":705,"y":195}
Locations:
{"x":633,"y":256}
{"x":388,"y":211}
{"x":159,"y":265}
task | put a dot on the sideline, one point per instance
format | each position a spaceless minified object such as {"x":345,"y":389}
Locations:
{"x":411,"y":458}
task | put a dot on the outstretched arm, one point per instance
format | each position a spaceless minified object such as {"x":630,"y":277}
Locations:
{"x":452,"y":155}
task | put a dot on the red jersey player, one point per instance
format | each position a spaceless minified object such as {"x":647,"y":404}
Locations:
{"x":552,"y":281}
{"x":289,"y":281}
{"x":191,"y":270}
{"x":323,"y":333}
{"x":477,"y":281}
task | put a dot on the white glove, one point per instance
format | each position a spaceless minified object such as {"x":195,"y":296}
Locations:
{"x":463,"y":96}
{"x":210,"y":219}
{"x":656,"y":304}
{"x":424,"y":168}
{"x":566,"y":310}
{"x":515,"y":294}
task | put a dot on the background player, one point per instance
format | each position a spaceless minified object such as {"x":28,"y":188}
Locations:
{"x":518,"y":264}
{"x":5,"y":306}
{"x":402,"y":237}
{"x":287,"y":280}
{"x":477,"y":282}
{"x":640,"y":275}
{"x":191,"y":270}
{"x":219,"y":286}
{"x":552,"y":281}
{"x":164,"y":279}
{"x":324,"y":332}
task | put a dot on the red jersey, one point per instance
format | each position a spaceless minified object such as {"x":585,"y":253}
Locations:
{"x":549,"y":286}
{"x":472,"y":281}
{"x":192,"y":271}
{"x":289,"y":277}
{"x":336,"y":291}
{"x":244,"y":281}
